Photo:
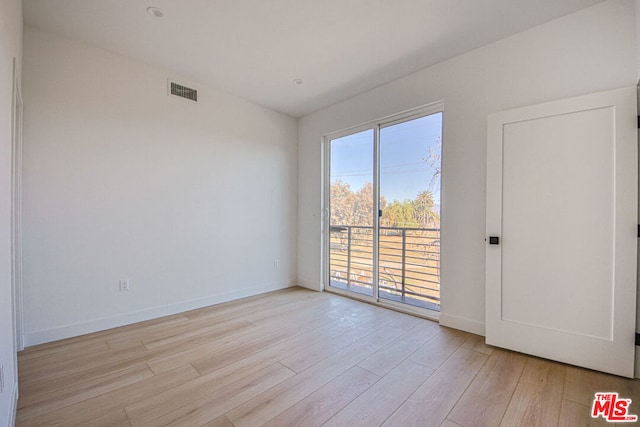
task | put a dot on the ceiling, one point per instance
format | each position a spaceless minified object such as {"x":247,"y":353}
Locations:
{"x":256,"y":49}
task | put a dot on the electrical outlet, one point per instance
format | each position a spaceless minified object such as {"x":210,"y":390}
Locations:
{"x":125,"y":285}
{"x":276,"y":264}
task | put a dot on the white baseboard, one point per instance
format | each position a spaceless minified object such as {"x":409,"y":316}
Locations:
{"x":14,"y":408}
{"x":54,"y":334}
{"x":309,"y":284}
{"x":462,"y":323}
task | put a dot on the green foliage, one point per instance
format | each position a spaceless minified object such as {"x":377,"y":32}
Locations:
{"x":399,"y":214}
{"x":343,"y":202}
{"x":349,"y":208}
{"x":423,"y":210}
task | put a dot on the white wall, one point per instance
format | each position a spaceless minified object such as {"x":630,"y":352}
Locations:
{"x":192,"y":202}
{"x":585,"y":52}
{"x":10,"y":47}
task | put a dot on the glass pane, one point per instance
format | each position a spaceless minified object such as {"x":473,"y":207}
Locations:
{"x":351,"y":213}
{"x":409,"y":246}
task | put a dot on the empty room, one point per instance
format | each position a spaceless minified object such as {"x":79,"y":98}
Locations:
{"x":319,"y":213}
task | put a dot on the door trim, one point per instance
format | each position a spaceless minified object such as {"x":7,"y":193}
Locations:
{"x":16,"y":211}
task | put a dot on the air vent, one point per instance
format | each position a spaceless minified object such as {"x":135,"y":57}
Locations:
{"x":183,"y":91}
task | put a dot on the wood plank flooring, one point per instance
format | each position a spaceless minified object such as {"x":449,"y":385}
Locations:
{"x":300,"y":358}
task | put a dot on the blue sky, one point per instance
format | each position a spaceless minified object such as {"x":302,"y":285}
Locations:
{"x":405,"y":150}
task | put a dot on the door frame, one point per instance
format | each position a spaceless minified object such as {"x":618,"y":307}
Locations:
{"x":375,"y":125}
{"x":16,"y":211}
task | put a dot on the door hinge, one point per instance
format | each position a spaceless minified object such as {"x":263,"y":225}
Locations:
{"x":638,"y":230}
{"x":637,"y":338}
{"x":638,"y":122}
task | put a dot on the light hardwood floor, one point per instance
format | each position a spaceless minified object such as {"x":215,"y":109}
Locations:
{"x":300,"y":358}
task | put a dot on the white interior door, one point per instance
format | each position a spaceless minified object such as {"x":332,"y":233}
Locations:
{"x":562,"y":198}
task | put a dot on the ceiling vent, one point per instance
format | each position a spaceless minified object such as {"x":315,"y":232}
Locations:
{"x":183,"y":91}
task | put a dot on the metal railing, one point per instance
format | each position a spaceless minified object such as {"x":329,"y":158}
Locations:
{"x":409,"y":261}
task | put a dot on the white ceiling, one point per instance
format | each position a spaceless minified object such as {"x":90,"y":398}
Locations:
{"x":256,"y":48}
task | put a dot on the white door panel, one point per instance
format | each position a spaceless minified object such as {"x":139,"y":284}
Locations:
{"x":562,"y":196}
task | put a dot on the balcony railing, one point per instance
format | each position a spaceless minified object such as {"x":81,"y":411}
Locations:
{"x":409,"y":262}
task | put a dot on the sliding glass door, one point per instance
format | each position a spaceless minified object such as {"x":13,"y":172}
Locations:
{"x":409,"y":182}
{"x":383,"y":198}
{"x":351,"y":243}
